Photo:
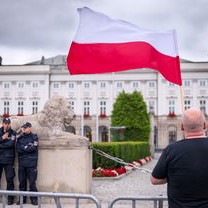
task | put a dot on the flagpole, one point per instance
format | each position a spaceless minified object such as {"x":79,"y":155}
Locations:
{"x":82,"y":125}
{"x":97,"y":110}
{"x":181,"y":89}
{"x":112,"y":100}
{"x":182,"y":100}
{"x":82,"y":111}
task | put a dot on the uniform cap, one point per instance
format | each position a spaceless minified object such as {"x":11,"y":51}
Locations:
{"x":26,"y":125}
{"x":6,"y":120}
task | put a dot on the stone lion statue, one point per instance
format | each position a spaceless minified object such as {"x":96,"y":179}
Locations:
{"x":51,"y":122}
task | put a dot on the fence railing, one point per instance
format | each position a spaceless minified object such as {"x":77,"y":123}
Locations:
{"x":55,"y":196}
{"x":157,"y":202}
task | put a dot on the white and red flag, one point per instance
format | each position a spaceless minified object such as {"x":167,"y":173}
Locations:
{"x":103,"y":45}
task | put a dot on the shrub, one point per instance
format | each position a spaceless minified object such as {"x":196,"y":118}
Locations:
{"x":127,"y":151}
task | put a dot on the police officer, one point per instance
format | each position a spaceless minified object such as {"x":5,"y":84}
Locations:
{"x":7,"y":155}
{"x":27,"y":149}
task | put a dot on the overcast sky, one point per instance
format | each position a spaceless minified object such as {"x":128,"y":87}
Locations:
{"x":30,"y":29}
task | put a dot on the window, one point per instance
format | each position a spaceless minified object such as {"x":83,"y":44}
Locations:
{"x":88,"y":132}
{"x":34,"y":107}
{"x":86,"y":108}
{"x":35,"y":85}
{"x":172,"y":136}
{"x":71,"y":85}
{"x":20,"y":108}
{"x":187,"y":104}
{"x":170,"y":84}
{"x":56,"y":85}
{"x":151,"y":84}
{"x":202,"y":83}
{"x":71,"y":103}
{"x":172,"y":133}
{"x":20,"y":85}
{"x":6,"y":85}
{"x":135,"y":84}
{"x":202,"y":104}
{"x":6,"y":107}
{"x":151,"y":107}
{"x":187,"y":83}
{"x":119,"y":84}
{"x":86,"y":85}
{"x":171,"y":106}
{"x":102,"y":84}
{"x":102,"y":107}
{"x":103,"y":132}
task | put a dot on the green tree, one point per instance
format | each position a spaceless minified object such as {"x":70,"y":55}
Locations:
{"x":130,"y":111}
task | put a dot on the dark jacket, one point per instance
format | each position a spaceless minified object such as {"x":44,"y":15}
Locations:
{"x":7,"y":147}
{"x":27,"y":149}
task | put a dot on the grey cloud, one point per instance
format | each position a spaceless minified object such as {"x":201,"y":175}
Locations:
{"x":50,"y":25}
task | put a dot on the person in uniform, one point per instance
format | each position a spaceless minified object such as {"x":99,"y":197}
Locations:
{"x":27,"y":149}
{"x":7,"y":155}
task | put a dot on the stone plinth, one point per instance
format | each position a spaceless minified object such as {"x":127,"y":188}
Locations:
{"x":64,"y":167}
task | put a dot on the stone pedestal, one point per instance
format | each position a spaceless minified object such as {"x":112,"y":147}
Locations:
{"x":64,"y":165}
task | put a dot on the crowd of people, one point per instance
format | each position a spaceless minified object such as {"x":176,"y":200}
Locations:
{"x":26,"y":147}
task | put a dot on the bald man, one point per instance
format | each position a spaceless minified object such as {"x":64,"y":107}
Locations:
{"x":183,"y":165}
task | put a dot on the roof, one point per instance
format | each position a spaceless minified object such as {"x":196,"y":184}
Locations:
{"x":61,"y":60}
{"x":56,"y":60}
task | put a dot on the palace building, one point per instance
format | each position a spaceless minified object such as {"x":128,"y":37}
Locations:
{"x":24,"y":89}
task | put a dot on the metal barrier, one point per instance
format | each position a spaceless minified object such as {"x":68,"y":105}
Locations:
{"x":157,"y":201}
{"x":56,"y":197}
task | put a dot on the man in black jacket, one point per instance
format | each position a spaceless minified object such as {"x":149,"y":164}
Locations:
{"x":7,"y":155}
{"x":183,"y":164}
{"x":27,"y":149}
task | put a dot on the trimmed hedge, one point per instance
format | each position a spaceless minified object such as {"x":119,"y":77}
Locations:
{"x":127,"y":151}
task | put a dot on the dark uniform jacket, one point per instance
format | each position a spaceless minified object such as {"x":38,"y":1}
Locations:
{"x":7,"y":147}
{"x":27,"y":148}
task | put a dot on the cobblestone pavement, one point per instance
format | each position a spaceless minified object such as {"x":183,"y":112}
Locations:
{"x":135,"y":184}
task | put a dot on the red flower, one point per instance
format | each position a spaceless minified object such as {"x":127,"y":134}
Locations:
{"x":86,"y":115}
{"x":108,"y":172}
{"x":5,"y":115}
{"x":112,"y":172}
{"x":121,"y":170}
{"x":171,"y":114}
{"x":20,"y":114}
{"x":102,"y":115}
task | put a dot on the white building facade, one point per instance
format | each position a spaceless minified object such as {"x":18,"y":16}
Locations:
{"x":25,"y":89}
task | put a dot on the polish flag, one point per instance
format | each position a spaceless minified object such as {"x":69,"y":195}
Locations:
{"x":103,"y":45}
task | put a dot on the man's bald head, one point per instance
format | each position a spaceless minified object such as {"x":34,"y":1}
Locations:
{"x":193,"y":120}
